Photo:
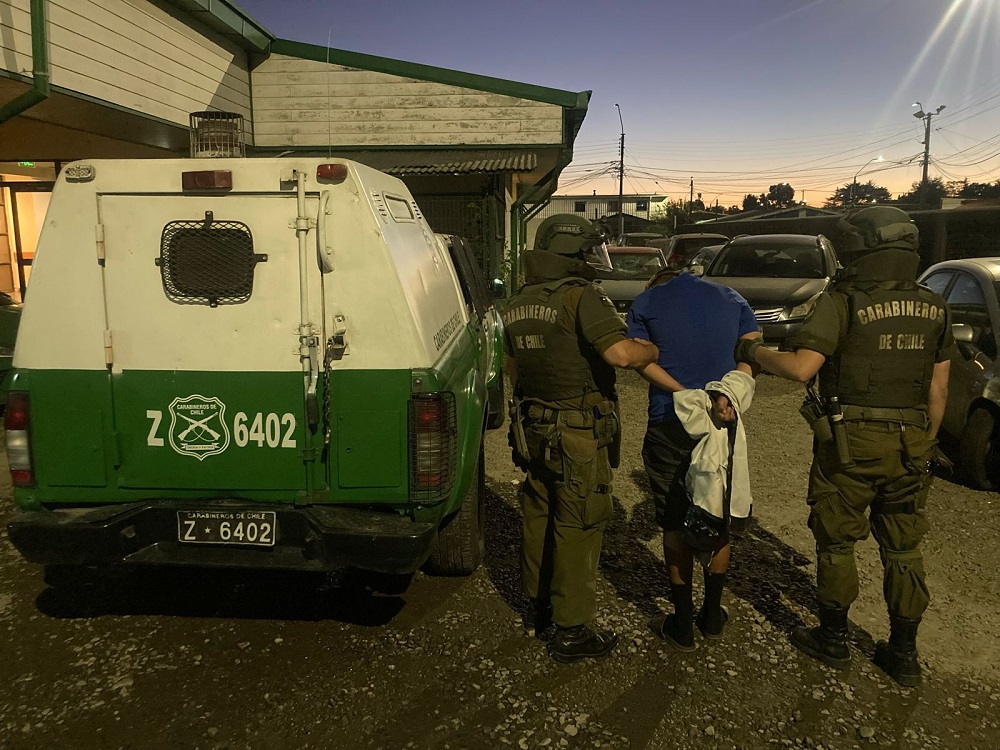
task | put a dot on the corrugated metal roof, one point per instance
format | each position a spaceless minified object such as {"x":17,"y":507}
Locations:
{"x":447,"y":162}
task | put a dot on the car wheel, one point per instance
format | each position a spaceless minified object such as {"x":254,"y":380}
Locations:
{"x":979,"y":450}
{"x":461,"y":543}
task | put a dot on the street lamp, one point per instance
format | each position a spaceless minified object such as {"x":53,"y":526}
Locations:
{"x":854,"y":183}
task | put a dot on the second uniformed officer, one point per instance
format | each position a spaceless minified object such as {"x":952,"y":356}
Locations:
{"x":563,"y":339}
{"x":880,"y":343}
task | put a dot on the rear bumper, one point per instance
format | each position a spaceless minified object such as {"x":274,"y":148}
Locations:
{"x":314,"y":538}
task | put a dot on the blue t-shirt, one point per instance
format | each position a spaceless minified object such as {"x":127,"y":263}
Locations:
{"x":695,"y":324}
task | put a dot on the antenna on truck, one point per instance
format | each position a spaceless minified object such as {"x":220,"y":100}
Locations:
{"x":329,"y":136}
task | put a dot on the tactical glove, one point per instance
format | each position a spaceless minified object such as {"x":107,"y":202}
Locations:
{"x":746,"y":350}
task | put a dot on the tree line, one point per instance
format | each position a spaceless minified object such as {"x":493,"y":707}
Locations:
{"x":782,"y":195}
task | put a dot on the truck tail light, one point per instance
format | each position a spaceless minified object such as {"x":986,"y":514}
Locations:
{"x":17,"y":424}
{"x":209,"y":179}
{"x":331,"y":172}
{"x":433,"y":439}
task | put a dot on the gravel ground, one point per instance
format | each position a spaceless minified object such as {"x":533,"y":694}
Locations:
{"x":228,"y":660}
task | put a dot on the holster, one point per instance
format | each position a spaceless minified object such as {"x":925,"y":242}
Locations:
{"x":608,"y":431}
{"x":515,"y":435}
{"x":817,"y":420}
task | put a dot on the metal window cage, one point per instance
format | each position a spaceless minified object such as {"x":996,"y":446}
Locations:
{"x":217,"y":134}
{"x":207,"y":262}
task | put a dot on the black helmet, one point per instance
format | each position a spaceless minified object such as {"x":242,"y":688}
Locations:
{"x":574,"y":236}
{"x":882,"y":227}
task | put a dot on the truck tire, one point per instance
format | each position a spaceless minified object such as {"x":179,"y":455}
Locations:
{"x":461,"y":542}
{"x":495,"y":399}
{"x":979,"y":450}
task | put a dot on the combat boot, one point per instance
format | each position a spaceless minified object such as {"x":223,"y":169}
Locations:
{"x":828,"y":642}
{"x":898,"y":657}
{"x":538,"y":616}
{"x":581,"y":642}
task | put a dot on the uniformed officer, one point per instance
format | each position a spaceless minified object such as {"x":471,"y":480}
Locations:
{"x":563,"y":339}
{"x":880,"y":343}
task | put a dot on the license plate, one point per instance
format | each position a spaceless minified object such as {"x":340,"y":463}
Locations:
{"x":253,"y":527}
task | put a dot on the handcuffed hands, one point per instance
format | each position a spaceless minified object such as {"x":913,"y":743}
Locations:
{"x":722,"y":411}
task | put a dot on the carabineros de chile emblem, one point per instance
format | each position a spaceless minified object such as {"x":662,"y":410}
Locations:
{"x":198,"y":426}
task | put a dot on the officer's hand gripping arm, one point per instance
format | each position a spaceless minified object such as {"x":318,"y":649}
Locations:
{"x":800,"y":365}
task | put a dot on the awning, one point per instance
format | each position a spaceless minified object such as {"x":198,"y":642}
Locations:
{"x":401,"y":163}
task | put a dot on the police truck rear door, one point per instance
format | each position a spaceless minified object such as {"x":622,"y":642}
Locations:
{"x":203,"y":313}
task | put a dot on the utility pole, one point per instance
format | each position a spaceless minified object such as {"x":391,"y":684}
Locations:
{"x":691,"y":200}
{"x":621,"y":177}
{"x":926,"y":117}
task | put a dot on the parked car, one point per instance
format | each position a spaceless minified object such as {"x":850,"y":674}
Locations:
{"x":639,"y":239}
{"x":780,"y":275}
{"x":631,"y":267}
{"x":972,"y":417}
{"x":679,"y":249}
{"x":705,"y":256}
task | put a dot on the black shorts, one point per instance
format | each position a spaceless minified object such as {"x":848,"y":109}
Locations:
{"x":666,"y":454}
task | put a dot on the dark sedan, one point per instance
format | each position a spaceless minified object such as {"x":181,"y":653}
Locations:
{"x":631,"y":267}
{"x":972,"y":417}
{"x":779,"y":275}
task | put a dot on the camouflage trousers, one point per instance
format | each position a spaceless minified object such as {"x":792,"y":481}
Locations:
{"x":884,"y":493}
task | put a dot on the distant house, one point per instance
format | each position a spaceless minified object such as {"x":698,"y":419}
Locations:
{"x":89,"y":79}
{"x":791,"y":212}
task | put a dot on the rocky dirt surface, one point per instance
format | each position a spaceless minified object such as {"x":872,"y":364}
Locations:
{"x":232,"y":660}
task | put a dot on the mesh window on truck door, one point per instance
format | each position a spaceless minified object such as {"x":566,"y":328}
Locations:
{"x":207,"y":262}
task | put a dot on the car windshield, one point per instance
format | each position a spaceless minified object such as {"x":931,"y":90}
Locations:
{"x":634,"y":265}
{"x":769,"y":261}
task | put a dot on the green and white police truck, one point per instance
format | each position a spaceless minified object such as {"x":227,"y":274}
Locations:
{"x":259,"y":363}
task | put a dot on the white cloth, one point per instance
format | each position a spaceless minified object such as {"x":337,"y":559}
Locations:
{"x":706,"y":478}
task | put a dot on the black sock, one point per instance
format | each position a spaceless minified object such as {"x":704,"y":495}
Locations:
{"x":680,"y":596}
{"x":711,"y":609}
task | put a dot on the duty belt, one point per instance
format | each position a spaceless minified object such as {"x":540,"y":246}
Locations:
{"x":906,"y":415}
{"x":568,"y":417}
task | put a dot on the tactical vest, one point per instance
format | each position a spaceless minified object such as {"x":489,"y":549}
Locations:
{"x":887,"y":357}
{"x":554,"y":363}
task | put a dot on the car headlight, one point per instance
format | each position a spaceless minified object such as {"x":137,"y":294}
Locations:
{"x":802,"y":309}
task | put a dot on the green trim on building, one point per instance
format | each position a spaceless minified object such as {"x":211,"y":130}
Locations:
{"x":573,"y":100}
{"x":229,"y":20}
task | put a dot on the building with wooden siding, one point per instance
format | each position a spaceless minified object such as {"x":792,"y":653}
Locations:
{"x":119,"y":78}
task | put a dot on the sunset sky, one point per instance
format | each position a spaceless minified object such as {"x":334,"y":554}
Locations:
{"x":736,"y":94}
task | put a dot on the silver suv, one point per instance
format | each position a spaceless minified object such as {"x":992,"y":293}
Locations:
{"x":780,"y":275}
